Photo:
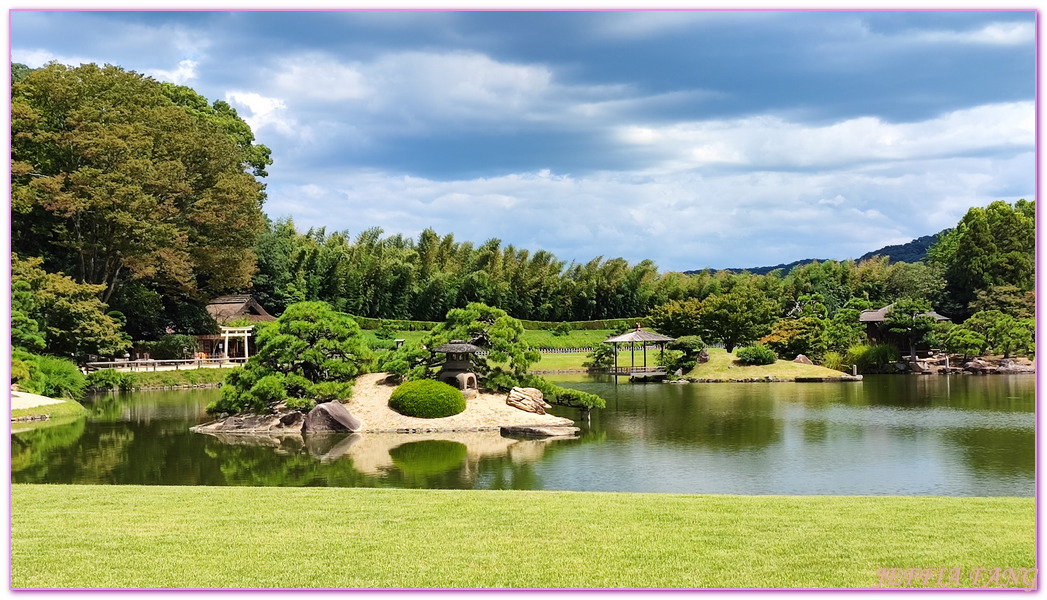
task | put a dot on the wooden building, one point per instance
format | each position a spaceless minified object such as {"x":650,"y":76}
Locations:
{"x":233,"y":342}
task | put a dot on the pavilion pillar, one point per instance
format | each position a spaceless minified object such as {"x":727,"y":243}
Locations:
{"x":225,"y":344}
{"x":246,"y":346}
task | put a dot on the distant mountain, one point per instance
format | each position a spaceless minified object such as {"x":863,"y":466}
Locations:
{"x":910,"y":252}
{"x":914,"y":251}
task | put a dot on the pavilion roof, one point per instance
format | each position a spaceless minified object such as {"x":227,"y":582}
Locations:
{"x":230,"y":308}
{"x":638,"y":336}
{"x":880,"y":315}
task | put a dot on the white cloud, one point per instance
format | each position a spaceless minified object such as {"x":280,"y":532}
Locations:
{"x":993,"y":34}
{"x":682,"y":220}
{"x":185,"y":72}
{"x":319,"y":77}
{"x":772,"y":142}
{"x":416,"y":91}
{"x":264,"y":112}
{"x":36,"y":58}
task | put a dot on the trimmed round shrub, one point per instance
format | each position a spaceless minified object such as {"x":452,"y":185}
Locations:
{"x":756,"y":355}
{"x":428,"y":399}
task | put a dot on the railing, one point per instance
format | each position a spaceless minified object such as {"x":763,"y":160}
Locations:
{"x":163,"y":365}
{"x":637,"y":371}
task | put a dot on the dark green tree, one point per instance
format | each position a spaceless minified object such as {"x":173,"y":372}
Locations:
{"x":491,"y":329}
{"x":309,"y":354}
{"x":908,"y":318}
{"x":111,"y":181}
{"x":742,"y":315}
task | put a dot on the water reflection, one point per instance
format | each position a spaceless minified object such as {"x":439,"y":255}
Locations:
{"x":886,"y":435}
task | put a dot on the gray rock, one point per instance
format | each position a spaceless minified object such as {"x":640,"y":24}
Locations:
{"x":532,"y":431}
{"x":331,"y":416}
{"x":703,"y":356}
{"x":279,"y":423}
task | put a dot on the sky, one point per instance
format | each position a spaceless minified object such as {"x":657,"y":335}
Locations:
{"x":692,"y":138}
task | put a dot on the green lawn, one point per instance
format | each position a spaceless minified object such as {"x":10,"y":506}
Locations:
{"x":722,"y":365}
{"x":214,"y":537}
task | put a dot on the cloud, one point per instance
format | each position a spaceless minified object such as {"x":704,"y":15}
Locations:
{"x":992,"y":34}
{"x":317,"y":76}
{"x":36,"y":58}
{"x":632,"y":25}
{"x":681,"y":220}
{"x":185,"y":72}
{"x":771,"y":142}
{"x":263,"y":112}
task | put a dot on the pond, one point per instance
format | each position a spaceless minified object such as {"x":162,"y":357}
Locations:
{"x":911,"y":435}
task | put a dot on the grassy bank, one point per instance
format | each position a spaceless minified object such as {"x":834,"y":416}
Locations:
{"x":725,"y":366}
{"x":150,"y":379}
{"x":135,"y":536}
{"x":63,"y":410}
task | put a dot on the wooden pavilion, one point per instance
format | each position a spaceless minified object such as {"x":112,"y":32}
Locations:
{"x":638,"y":337}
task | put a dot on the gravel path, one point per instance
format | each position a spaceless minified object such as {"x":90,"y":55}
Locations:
{"x":483,"y":412}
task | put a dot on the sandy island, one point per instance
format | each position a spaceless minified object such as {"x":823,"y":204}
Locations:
{"x":483,"y":412}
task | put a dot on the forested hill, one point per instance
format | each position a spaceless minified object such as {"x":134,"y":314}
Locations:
{"x":910,"y":252}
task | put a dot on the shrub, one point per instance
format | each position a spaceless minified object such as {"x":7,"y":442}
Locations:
{"x":871,"y":358}
{"x":602,"y":357}
{"x":55,"y":378}
{"x":110,"y":379}
{"x":562,"y":396}
{"x":427,"y":399}
{"x":833,"y":360}
{"x":756,"y":355}
{"x":171,"y":347}
{"x":562,"y":329}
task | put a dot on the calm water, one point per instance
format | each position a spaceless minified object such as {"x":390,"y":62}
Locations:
{"x":956,"y":436}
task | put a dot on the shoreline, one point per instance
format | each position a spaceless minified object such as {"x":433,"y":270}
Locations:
{"x":370,"y":404}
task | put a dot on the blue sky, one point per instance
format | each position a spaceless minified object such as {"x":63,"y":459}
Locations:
{"x":693,"y":138}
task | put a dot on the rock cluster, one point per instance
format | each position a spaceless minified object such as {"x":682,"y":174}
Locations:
{"x":1006,"y":366}
{"x":527,"y":399}
{"x":323,"y":418}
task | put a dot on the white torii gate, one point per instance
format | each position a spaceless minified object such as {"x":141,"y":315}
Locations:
{"x":228,"y":332}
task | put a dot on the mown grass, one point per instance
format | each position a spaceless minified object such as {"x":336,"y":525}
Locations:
{"x":187,"y":376}
{"x":229,"y":537}
{"x":724,"y":365}
{"x":63,"y":410}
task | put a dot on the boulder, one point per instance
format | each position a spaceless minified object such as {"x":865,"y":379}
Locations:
{"x":803,"y":360}
{"x":532,"y":431}
{"x":1009,"y":366}
{"x":331,"y":416}
{"x":979,"y":366}
{"x":703,"y":356}
{"x":279,"y":423}
{"x":527,"y":399}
